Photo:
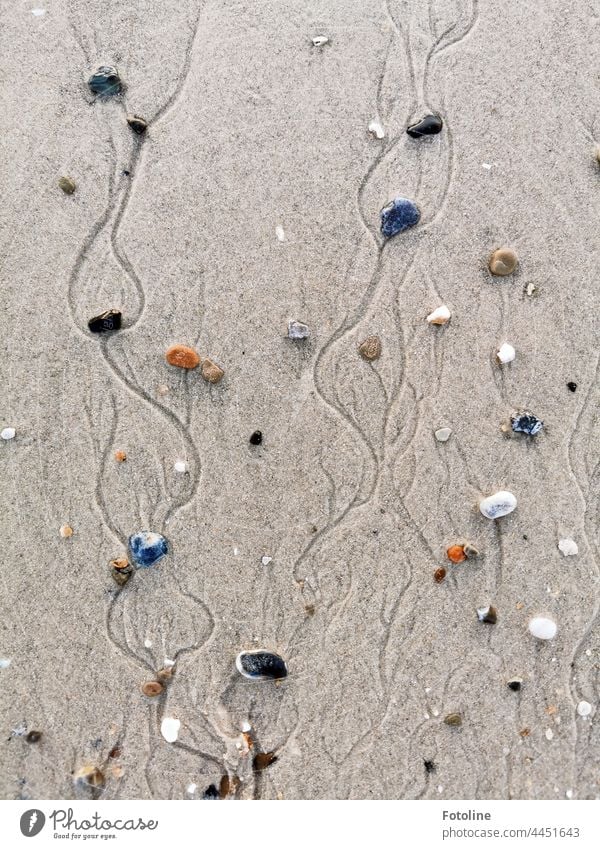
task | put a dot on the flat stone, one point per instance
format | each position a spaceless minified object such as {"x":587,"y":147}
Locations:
{"x":370,"y":349}
{"x":527,"y":423}
{"x":297,"y":330}
{"x":137,"y":124}
{"x":210,"y":371}
{"x":399,"y":215}
{"x":152,"y":688}
{"x":454,"y":719}
{"x":430,"y":125}
{"x":543,"y":628}
{"x":182,"y":356}
{"x":499,"y":504}
{"x":147,"y":548}
{"x":106,"y":321}
{"x":261,"y":665}
{"x":106,"y":81}
{"x":67,"y":185}
{"x":443,"y":434}
{"x":503,"y":261}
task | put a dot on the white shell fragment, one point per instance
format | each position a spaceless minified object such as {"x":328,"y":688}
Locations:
{"x":4,"y":662}
{"x":499,"y":504}
{"x":180,"y":466}
{"x":543,"y":628}
{"x":584,"y":709}
{"x":319,"y":40}
{"x":506,"y":353}
{"x":8,"y":433}
{"x":169,"y":728}
{"x":297,"y":330}
{"x":280,"y":233}
{"x":441,"y":315}
{"x":568,"y":547}
{"x":443,"y":434}
{"x":265,"y":560}
{"x":376,"y":130}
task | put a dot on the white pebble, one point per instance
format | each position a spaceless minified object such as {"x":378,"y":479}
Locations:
{"x":265,"y":560}
{"x":191,"y":789}
{"x":486,"y":165}
{"x":443,"y":434}
{"x":8,"y":433}
{"x":38,"y":12}
{"x":568,"y":547}
{"x":148,"y":644}
{"x":280,"y":233}
{"x":246,"y":726}
{"x":169,"y":662}
{"x":584,"y":708}
{"x":320,"y":40}
{"x":297,"y":330}
{"x":169,"y":728}
{"x":569,"y":794}
{"x":441,"y":315}
{"x":180,"y":466}
{"x":376,"y":129}
{"x":543,"y":628}
{"x":5,"y":662}
{"x":549,"y":734}
{"x":506,"y":353}
{"x":499,"y":504}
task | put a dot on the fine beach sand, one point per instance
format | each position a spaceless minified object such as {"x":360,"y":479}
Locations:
{"x":253,"y":128}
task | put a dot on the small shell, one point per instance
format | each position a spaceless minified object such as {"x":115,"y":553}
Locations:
{"x":261,"y":665}
{"x":169,"y":728}
{"x":262,"y":760}
{"x":182,"y":356}
{"x":377,"y":130}
{"x":499,"y":504}
{"x":456,"y":553}
{"x":543,"y":628}
{"x":120,"y":563}
{"x":506,"y":353}
{"x":210,"y":371}
{"x":65,"y":531}
{"x":67,"y":185}
{"x":8,"y":433}
{"x":370,"y":349}
{"x":453,"y":719}
{"x":503,"y":261}
{"x":568,"y":547}
{"x":297,"y":330}
{"x":441,"y":315}
{"x":443,"y":434}
{"x":152,"y":688}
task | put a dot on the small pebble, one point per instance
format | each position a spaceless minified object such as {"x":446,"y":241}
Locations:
{"x":65,"y":531}
{"x":543,"y":628}
{"x":370,"y":349}
{"x":169,"y":728}
{"x":67,"y":185}
{"x":120,"y":456}
{"x":503,"y":261}
{"x":584,"y":708}
{"x":261,"y":665}
{"x":297,"y":330}
{"x":441,"y":315}
{"x":182,"y":356}
{"x":499,"y":504}
{"x":165,"y":674}
{"x":470,"y":551}
{"x":120,"y":564}
{"x":429,"y":766}
{"x":265,"y":560}
{"x":147,"y":547}
{"x":90,"y":776}
{"x":571,"y":386}
{"x":320,"y":40}
{"x":439,"y":575}
{"x":398,"y":215}
{"x":430,"y":125}
{"x":256,"y":438}
{"x":137,"y":124}
{"x":487,"y":614}
{"x":443,"y":434}
{"x":526,"y":422}
{"x":191,"y":789}
{"x":8,"y":433}
{"x":376,"y":130}
{"x":456,"y":553}
{"x":211,"y":792}
{"x":180,"y":466}
{"x":152,"y":688}
{"x":568,"y":547}
{"x":108,"y":320}
{"x":5,"y":662}
{"x":121,"y":571}
{"x":280,"y":233}
{"x":453,"y":719}
{"x":597,"y":153}
{"x":210,"y":371}
{"x":105,"y":81}
{"x":515,"y":684}
{"x":262,"y":760}
{"x":506,"y":353}
{"x":33,"y":737}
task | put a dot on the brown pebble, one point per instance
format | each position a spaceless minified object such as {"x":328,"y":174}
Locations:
{"x":90,"y":775}
{"x":137,"y":124}
{"x":115,"y":752}
{"x":165,"y":674}
{"x":120,"y":570}
{"x":525,"y":732}
{"x":370,"y":349}
{"x":228,"y":786}
{"x":503,"y":261}
{"x":309,"y":609}
{"x":34,"y":736}
{"x":66,"y":531}
{"x":182,"y":356}
{"x":120,"y":456}
{"x":67,"y":185}
{"x":470,"y":550}
{"x":453,"y":719}
{"x":456,"y":553}
{"x":439,"y":575}
{"x":152,"y":688}
{"x":262,"y":760}
{"x":211,"y":371}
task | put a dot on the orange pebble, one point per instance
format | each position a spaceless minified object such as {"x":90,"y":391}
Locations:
{"x":182,"y":356}
{"x":120,"y":456}
{"x":456,"y":554}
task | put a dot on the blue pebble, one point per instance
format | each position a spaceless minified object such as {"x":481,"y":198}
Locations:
{"x":399,"y":215}
{"x":106,"y":81}
{"x":147,"y":548}
{"x":526,"y":423}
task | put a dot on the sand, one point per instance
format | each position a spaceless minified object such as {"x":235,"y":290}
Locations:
{"x":254,"y":199}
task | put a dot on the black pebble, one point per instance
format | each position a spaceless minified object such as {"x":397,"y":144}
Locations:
{"x":137,"y":124}
{"x":256,"y":438}
{"x":515,"y":686}
{"x":34,"y":737}
{"x":211,"y":792}
{"x":429,"y":766}
{"x":430,"y":125}
{"x":109,"y":320}
{"x":572,"y":385}
{"x":105,"y":81}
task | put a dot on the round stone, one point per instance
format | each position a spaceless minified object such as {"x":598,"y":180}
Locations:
{"x":210,"y":371}
{"x":182,"y":356}
{"x":66,"y":531}
{"x":256,"y":438}
{"x":105,"y":81}
{"x":169,"y":728}
{"x":456,"y":554}
{"x":261,"y":665}
{"x":543,"y":628}
{"x":399,"y":215}
{"x":152,"y":688}
{"x":120,"y":456}
{"x":499,"y":504}
{"x":584,"y":708}
{"x":8,"y":433}
{"x":67,"y":185}
{"x":503,"y":261}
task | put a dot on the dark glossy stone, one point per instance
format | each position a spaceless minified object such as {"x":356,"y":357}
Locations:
{"x":571,"y":385}
{"x":430,"y":125}
{"x":256,"y":438}
{"x":261,"y":665}
{"x":514,"y":684}
{"x":137,"y":124}
{"x":34,"y":736}
{"x":108,"y":320}
{"x":526,"y":423}
{"x":399,"y":215}
{"x":211,"y":792}
{"x":147,"y":548}
{"x":429,"y":766}
{"x":106,"y":81}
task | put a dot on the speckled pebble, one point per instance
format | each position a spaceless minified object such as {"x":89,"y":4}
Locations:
{"x":182,"y":356}
{"x":499,"y":504}
{"x":370,"y":349}
{"x":261,"y":665}
{"x":399,"y":215}
{"x":147,"y":548}
{"x":297,"y":330}
{"x":210,"y":371}
{"x":67,"y":185}
{"x":526,"y":422}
